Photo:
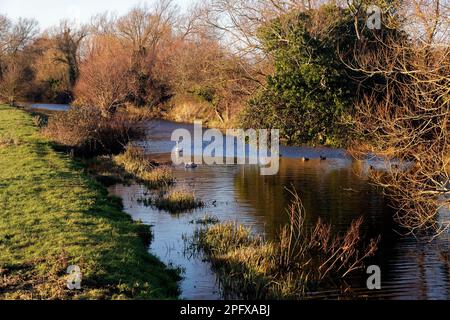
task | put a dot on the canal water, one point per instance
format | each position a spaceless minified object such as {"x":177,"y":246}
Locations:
{"x":48,"y":107}
{"x":335,"y":190}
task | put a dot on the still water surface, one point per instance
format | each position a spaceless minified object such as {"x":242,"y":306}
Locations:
{"x":49,"y":106}
{"x":334,"y":190}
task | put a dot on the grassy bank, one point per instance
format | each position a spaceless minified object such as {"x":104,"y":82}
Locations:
{"x":53,"y":215}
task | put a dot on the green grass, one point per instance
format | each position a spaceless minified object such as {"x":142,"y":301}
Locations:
{"x":53,"y":215}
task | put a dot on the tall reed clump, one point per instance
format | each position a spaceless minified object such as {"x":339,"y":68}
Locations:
{"x":299,"y":260}
{"x":134,"y":161}
{"x":89,"y":133}
{"x":177,"y":200}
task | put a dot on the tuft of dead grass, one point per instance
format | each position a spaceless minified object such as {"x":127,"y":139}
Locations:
{"x":8,"y":141}
{"x":176,"y":201}
{"x":300,"y":259}
{"x":134,"y":161}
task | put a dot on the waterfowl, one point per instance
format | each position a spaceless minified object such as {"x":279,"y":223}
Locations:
{"x":305,"y":159}
{"x":190,"y":165}
{"x":178,"y":149}
{"x":322,"y":158}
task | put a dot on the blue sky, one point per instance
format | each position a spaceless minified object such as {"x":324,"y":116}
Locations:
{"x":49,"y":12}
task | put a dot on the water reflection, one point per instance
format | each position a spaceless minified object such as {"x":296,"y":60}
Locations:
{"x":334,"y":189}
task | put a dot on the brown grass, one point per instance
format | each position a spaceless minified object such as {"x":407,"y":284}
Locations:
{"x":299,"y":260}
{"x":89,"y":133}
{"x":177,"y":200}
{"x":134,"y":161}
{"x":8,"y":141}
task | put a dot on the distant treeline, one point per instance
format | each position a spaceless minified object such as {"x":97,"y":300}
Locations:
{"x":316,"y":70}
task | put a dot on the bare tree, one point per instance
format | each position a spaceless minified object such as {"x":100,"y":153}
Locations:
{"x":16,"y":36}
{"x":427,"y":20}
{"x":145,"y":27}
{"x":239,"y":20}
{"x":5,"y":25}
{"x":407,"y":120}
{"x":16,"y":78}
{"x":15,"y":71}
{"x":68,"y":38}
{"x":103,"y":24}
{"x":144,"y":30}
{"x":102,"y":82}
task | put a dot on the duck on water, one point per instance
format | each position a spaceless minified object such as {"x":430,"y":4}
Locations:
{"x":190,"y":165}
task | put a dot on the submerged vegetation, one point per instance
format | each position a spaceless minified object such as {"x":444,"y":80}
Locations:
{"x":53,"y":216}
{"x":301,"y":259}
{"x":206,"y":220}
{"x":135,"y":162}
